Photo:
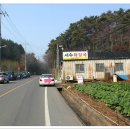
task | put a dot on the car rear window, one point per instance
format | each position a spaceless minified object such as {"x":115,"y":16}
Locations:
{"x":47,"y":75}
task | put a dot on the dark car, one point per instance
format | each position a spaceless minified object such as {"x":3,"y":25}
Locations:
{"x":4,"y":78}
{"x":19,"y":75}
{"x":11,"y":75}
{"x":25,"y":74}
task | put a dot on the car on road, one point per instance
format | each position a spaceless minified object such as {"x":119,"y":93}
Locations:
{"x":11,"y":75}
{"x":46,"y":79}
{"x":4,"y":78}
{"x":25,"y":74}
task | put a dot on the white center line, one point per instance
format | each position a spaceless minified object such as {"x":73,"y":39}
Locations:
{"x":47,"y":116}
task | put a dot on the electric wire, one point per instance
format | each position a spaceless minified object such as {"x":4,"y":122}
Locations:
{"x":5,"y":26}
{"x":15,"y":29}
{"x":13,"y":26}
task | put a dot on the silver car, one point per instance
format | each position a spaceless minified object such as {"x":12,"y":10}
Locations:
{"x":4,"y":78}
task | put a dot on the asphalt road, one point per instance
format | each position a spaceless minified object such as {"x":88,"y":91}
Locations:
{"x":24,"y":103}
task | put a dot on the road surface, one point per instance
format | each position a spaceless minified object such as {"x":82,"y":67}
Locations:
{"x":24,"y":103}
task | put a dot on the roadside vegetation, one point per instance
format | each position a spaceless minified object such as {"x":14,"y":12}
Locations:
{"x":114,"y":95}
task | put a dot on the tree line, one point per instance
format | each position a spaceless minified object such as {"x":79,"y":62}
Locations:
{"x":12,"y":51}
{"x":107,"y":32}
{"x":13,"y":58}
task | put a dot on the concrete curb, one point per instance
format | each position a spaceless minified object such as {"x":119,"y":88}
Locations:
{"x":88,"y":114}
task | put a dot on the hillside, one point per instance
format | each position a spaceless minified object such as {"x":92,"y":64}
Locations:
{"x":107,"y":32}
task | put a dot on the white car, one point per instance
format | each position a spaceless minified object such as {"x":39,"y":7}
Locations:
{"x":46,"y":79}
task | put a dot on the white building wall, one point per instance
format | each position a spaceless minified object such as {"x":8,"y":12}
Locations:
{"x":90,"y":68}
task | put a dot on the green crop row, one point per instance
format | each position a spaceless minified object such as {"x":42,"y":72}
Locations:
{"x":115,"y":95}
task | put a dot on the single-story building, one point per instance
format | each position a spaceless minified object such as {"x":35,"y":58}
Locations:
{"x":94,"y":65}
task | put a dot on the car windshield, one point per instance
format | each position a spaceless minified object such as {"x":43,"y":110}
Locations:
{"x":47,"y":75}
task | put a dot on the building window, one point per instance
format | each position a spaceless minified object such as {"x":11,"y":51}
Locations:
{"x":118,"y":66}
{"x":79,"y":68}
{"x":100,"y":67}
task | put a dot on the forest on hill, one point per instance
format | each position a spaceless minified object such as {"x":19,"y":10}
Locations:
{"x":12,"y":51}
{"x":107,"y":32}
{"x":13,"y":58}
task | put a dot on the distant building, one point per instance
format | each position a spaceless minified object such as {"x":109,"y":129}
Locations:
{"x":95,"y":65}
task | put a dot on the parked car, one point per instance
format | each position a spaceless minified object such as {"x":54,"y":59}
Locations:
{"x":46,"y":79}
{"x":11,"y":75}
{"x":25,"y":74}
{"x":4,"y":77}
{"x":19,"y":75}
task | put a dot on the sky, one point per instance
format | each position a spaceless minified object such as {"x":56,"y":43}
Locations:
{"x":38,"y":23}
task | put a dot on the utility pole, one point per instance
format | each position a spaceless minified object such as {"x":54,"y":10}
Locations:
{"x":0,"y":35}
{"x":25,"y":57}
{"x":25,"y":60}
{"x":58,"y":60}
{"x":57,"y":63}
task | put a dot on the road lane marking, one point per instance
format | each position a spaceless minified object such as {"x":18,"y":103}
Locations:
{"x":11,"y":90}
{"x":47,"y":115}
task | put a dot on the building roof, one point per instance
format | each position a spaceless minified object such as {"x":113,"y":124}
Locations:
{"x":108,"y":55}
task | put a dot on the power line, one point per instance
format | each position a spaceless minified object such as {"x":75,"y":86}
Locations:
{"x":17,"y":32}
{"x":9,"y":30}
{"x":13,"y":26}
